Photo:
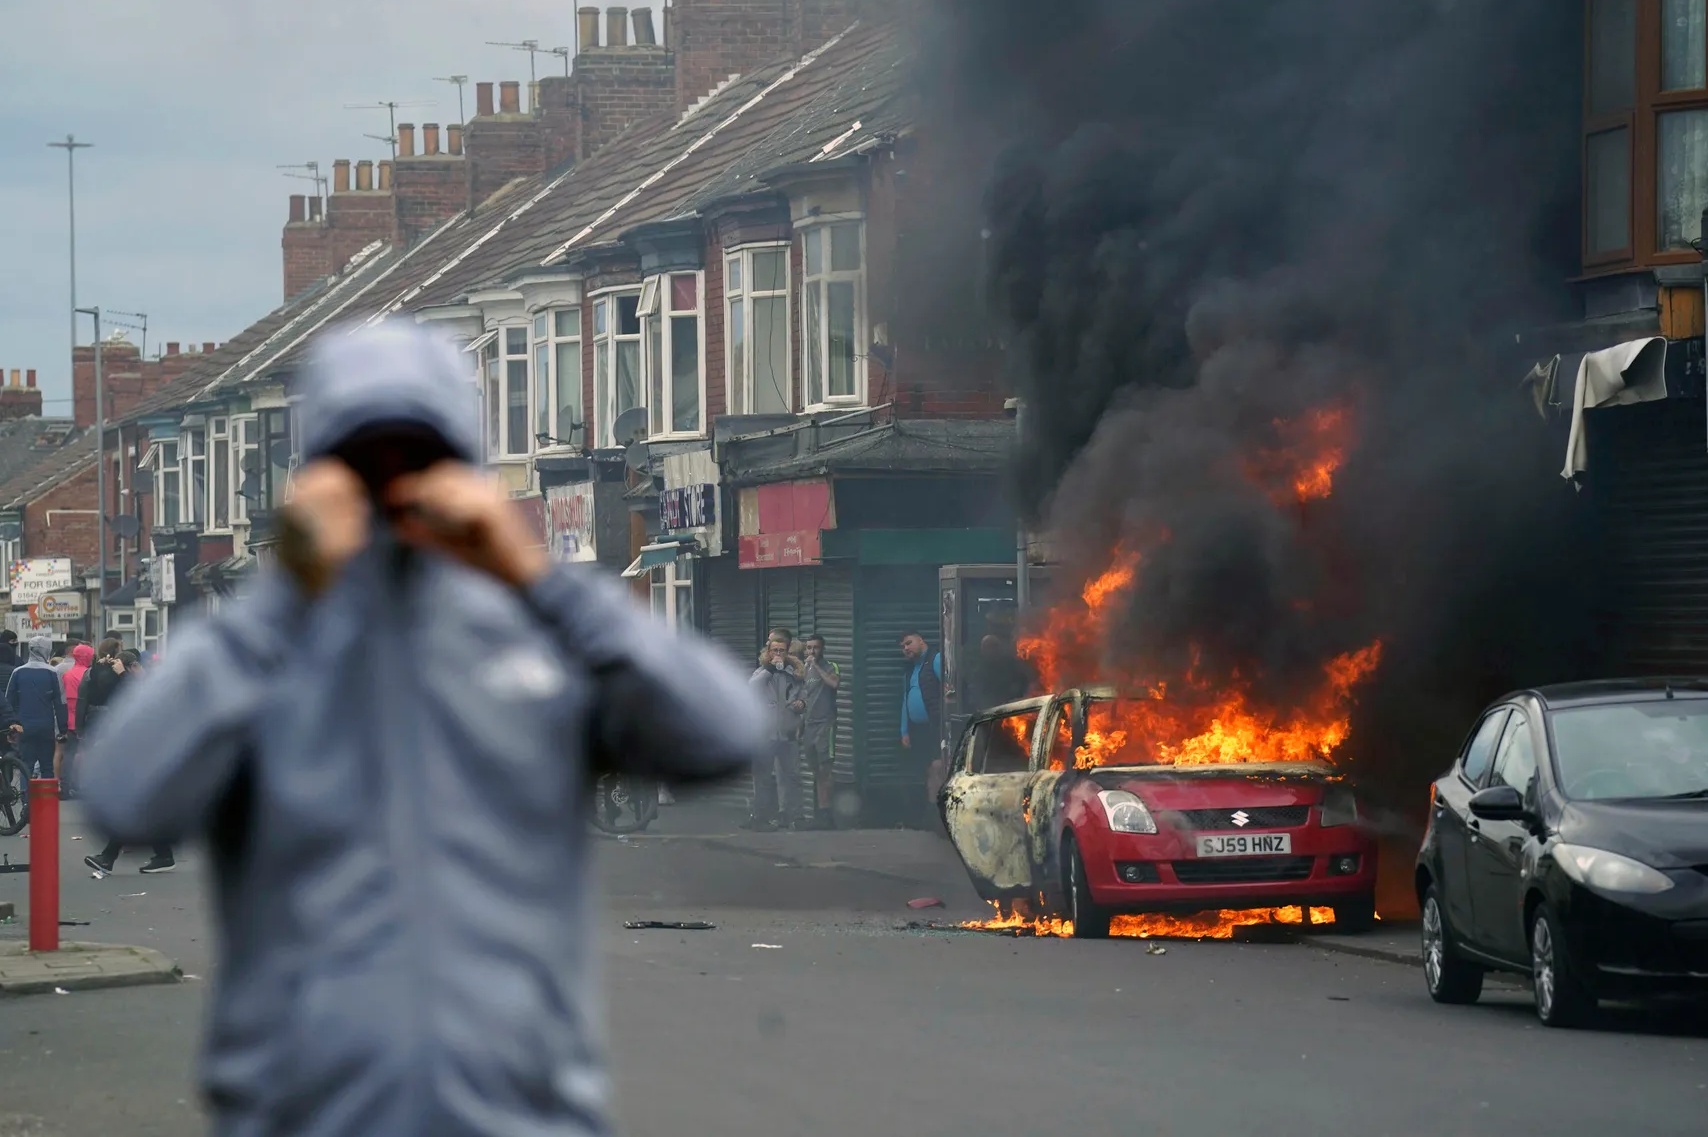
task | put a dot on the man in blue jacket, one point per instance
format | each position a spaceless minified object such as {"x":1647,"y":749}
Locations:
{"x":389,"y":746}
{"x":38,"y":700}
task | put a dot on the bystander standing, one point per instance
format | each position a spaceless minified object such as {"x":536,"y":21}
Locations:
{"x":922,"y":709}
{"x":35,"y":695}
{"x":822,"y":682}
{"x":776,"y":779}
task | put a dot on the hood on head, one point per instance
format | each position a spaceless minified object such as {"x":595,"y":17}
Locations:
{"x":395,"y":373}
{"x":83,"y":654}
{"x":41,"y":648}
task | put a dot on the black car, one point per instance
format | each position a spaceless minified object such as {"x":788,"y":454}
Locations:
{"x":1570,"y":843}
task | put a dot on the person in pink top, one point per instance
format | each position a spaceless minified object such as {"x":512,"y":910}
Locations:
{"x":81,"y":657}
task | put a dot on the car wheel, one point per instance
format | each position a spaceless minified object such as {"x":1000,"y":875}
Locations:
{"x":1356,"y":916}
{"x":1090,"y":919}
{"x":1450,"y":978}
{"x":1562,"y":999}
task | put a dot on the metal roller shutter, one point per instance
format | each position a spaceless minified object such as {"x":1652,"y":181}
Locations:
{"x":833,"y":618}
{"x":1648,"y":471}
{"x":888,"y":602}
{"x":729,"y":599}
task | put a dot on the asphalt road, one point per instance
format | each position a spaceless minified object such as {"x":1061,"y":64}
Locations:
{"x":850,"y":1026}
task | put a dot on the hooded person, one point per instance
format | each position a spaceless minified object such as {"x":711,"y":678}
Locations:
{"x":37,"y":698}
{"x":399,"y":848}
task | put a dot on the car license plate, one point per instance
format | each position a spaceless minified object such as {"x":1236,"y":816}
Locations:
{"x":1245,"y":845}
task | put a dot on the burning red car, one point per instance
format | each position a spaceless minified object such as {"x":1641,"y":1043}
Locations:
{"x":1051,"y":811}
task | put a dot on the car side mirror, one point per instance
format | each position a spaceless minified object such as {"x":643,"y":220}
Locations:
{"x":1499,"y":803}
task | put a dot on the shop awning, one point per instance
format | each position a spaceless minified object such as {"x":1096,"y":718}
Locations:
{"x":656,"y":556}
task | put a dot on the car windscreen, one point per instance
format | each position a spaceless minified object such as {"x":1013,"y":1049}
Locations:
{"x":1655,"y":749}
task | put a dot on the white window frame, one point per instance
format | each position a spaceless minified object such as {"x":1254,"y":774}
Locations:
{"x":511,"y":350}
{"x":491,"y":387}
{"x":606,"y":342}
{"x":245,"y":440}
{"x":672,"y":592}
{"x":166,"y":453}
{"x":658,"y":351}
{"x":818,"y":350}
{"x":555,"y":331}
{"x":739,"y":327}
{"x":189,"y":441}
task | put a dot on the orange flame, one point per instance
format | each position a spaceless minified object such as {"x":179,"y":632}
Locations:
{"x":1191,"y":719}
{"x":1217,"y":925}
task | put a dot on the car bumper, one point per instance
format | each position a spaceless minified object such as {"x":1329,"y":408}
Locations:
{"x":1307,"y":876}
{"x":1641,"y":944}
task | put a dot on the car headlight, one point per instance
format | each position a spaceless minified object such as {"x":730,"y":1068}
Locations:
{"x":1608,"y":872}
{"x":1339,"y":807}
{"x":1126,"y":813}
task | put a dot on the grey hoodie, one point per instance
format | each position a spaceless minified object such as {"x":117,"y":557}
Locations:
{"x":400,"y":852}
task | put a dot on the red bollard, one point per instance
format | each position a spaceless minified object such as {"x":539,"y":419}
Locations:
{"x":44,"y":864}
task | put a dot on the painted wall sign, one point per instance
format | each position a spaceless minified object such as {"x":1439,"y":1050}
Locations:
{"x":781,"y":550}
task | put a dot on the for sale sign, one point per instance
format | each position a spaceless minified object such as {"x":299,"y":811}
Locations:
{"x":34,"y":578}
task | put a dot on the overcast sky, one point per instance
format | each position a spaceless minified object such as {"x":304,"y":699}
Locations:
{"x":191,"y":104}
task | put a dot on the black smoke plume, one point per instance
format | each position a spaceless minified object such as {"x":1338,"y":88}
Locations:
{"x":1215,"y":218}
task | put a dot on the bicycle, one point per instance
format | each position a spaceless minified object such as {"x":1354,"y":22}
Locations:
{"x":14,"y":795}
{"x":623,"y":805}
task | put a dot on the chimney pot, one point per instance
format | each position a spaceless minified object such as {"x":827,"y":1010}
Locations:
{"x":406,"y":140}
{"x":17,"y":377}
{"x":454,"y":138}
{"x":383,"y":174}
{"x":668,"y":34}
{"x":364,"y":175}
{"x":645,"y":35}
{"x":429,"y":138}
{"x":172,"y":347}
{"x":616,"y":27}
{"x":482,"y":99}
{"x":589,"y":29}
{"x":314,"y":208}
{"x":341,"y":176}
{"x":299,"y":206}
{"x":29,"y":378}
{"x":510,"y":97}
{"x":207,"y":348}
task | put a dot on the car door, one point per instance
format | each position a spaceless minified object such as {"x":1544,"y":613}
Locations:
{"x":1497,"y":849}
{"x":1452,"y":819}
{"x":985,"y":802}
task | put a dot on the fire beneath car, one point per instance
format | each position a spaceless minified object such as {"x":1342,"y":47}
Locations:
{"x":1197,"y":926}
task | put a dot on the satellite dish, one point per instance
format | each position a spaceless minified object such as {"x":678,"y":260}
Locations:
{"x":251,"y":464}
{"x":127,"y":527}
{"x":638,"y":457}
{"x":280,"y":453}
{"x":250,"y":490}
{"x":142,"y":482}
{"x":630,"y":427}
{"x":10,"y":530}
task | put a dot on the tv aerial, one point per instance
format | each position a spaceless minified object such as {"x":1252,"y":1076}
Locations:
{"x":459,"y":81}
{"x":391,"y":108}
{"x":531,"y":46}
{"x":313,"y":175}
{"x":567,"y":53}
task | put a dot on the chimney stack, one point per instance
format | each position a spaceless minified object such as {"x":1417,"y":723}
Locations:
{"x":172,"y":347}
{"x":299,"y":207}
{"x":616,"y":27}
{"x":382,"y":171}
{"x":482,"y":99}
{"x":645,"y":36}
{"x":406,"y":140}
{"x":454,"y":138}
{"x":510,"y":97}
{"x":589,"y":29}
{"x":29,"y":378}
{"x":429,"y":138}
{"x":364,"y":175}
{"x":341,"y":176}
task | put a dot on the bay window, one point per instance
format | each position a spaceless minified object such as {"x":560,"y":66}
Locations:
{"x":616,"y":362}
{"x":1645,"y":131}
{"x":246,"y":466}
{"x":276,"y":458}
{"x":557,"y":378}
{"x":194,"y":450}
{"x":515,"y":353}
{"x":669,"y":309}
{"x":833,"y":313}
{"x":756,"y":330}
{"x":219,"y":468}
{"x":169,"y":485}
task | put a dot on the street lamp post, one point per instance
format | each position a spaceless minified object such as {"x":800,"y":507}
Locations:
{"x":100,"y":462}
{"x":71,"y":146}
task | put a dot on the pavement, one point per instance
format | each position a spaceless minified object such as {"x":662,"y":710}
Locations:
{"x":808,"y":1008}
{"x":80,"y":967}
